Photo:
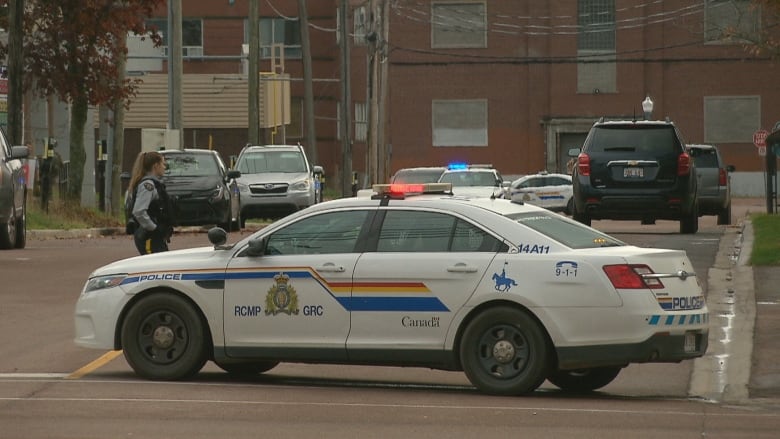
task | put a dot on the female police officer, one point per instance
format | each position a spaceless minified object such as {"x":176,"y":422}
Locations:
{"x":152,"y":208}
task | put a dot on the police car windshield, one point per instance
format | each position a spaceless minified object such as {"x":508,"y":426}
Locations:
{"x":569,"y":233}
{"x":467,"y":178}
{"x":416,"y":176}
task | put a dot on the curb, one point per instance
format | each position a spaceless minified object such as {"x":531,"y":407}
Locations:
{"x":723,"y":373}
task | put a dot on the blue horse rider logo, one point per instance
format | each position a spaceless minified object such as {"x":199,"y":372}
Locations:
{"x":503,"y":283}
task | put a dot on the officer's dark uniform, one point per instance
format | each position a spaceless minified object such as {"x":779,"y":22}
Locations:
{"x":153,"y":211}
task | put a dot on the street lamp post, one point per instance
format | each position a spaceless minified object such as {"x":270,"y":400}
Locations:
{"x":647,"y":107}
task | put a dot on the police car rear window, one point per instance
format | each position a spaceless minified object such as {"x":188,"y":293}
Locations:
{"x":569,"y":233}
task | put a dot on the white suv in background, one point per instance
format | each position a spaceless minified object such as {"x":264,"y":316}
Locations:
{"x":276,"y":180}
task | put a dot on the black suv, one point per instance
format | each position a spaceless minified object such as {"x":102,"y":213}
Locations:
{"x":635,"y":170}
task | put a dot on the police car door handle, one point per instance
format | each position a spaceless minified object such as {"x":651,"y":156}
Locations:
{"x":330,"y":268}
{"x":462,"y":268}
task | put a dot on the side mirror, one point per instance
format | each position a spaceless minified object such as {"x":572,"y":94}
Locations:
{"x":257,"y":246}
{"x":19,"y":152}
{"x":574,"y":152}
{"x":217,"y":236}
{"x":731,"y":168}
{"x":317,"y":169}
{"x":233,"y":174}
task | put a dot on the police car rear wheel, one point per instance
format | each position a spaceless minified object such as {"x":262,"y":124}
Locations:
{"x":163,"y":338}
{"x":584,"y":380}
{"x":247,"y":369}
{"x":504,"y":351}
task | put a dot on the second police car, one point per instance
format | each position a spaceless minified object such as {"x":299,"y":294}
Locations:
{"x":511,"y":294}
{"x":548,"y":190}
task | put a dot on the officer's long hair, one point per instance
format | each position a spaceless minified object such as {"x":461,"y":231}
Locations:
{"x":143,"y":165}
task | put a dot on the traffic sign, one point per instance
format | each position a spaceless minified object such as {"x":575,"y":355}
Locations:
{"x":759,"y":138}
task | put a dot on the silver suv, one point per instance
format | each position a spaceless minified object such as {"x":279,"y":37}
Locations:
{"x":276,"y":180}
{"x":13,"y":191}
{"x":714,"y":185}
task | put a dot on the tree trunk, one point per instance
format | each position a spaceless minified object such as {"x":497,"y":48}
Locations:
{"x":78,"y":155}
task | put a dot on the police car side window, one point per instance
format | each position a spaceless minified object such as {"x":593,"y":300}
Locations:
{"x":470,"y":238}
{"x":418,"y":231}
{"x":335,"y":232}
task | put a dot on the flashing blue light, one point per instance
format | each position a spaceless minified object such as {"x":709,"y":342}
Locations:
{"x":457,"y":166}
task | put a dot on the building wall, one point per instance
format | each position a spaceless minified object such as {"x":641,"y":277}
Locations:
{"x":529,"y":74}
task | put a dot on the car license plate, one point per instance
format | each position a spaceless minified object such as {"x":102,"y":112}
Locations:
{"x":690,"y":342}
{"x":633,"y":172}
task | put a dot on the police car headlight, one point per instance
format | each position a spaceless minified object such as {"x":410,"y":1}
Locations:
{"x":301,"y":186}
{"x":103,"y":282}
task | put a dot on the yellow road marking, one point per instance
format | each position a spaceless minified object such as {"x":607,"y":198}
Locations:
{"x":94,"y":365}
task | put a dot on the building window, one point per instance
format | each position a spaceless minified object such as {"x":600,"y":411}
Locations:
{"x":731,"y":119}
{"x":458,"y":24}
{"x":731,"y":21}
{"x":596,"y":71}
{"x":460,"y":122}
{"x":361,"y":122}
{"x":279,"y":31}
{"x":596,"y":25}
{"x":191,"y":35}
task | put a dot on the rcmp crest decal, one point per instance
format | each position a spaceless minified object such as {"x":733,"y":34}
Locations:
{"x":281,"y":297}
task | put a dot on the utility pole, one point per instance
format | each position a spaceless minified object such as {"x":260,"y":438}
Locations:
{"x":382,"y":116}
{"x":175,"y":69}
{"x":372,"y":36}
{"x":308,"y":87}
{"x":15,"y":67}
{"x":254,"y":73}
{"x":346,"y":101}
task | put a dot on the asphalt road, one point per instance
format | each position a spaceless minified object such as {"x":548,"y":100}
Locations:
{"x":51,"y":388}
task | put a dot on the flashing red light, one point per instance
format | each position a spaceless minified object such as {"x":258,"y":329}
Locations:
{"x":406,"y":188}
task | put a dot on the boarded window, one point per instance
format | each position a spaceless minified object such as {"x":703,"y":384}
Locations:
{"x":458,"y":24}
{"x":731,"y":119}
{"x":731,"y":21}
{"x":460,"y":122}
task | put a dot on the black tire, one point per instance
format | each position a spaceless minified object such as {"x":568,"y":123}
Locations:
{"x":570,"y":207}
{"x":21,"y":229}
{"x":584,"y":380}
{"x":164,"y":338}
{"x":247,"y":369}
{"x":504,"y":351}
{"x":724,"y":216}
{"x":8,"y":231}
{"x":689,"y":224}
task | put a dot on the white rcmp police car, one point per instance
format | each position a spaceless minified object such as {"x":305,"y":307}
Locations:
{"x":511,"y":294}
{"x":548,"y":190}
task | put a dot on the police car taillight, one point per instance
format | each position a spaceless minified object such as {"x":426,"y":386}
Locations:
{"x":629,"y":276}
{"x":396,"y":189}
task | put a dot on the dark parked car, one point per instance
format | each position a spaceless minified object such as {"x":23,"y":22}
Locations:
{"x":13,"y":193}
{"x":714,"y":185}
{"x":203,"y":189}
{"x":635,"y":170}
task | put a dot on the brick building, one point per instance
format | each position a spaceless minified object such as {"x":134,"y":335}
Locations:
{"x":512,"y":83}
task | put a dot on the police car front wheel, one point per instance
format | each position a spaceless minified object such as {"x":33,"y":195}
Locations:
{"x":164,"y":338}
{"x":504,"y":351}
